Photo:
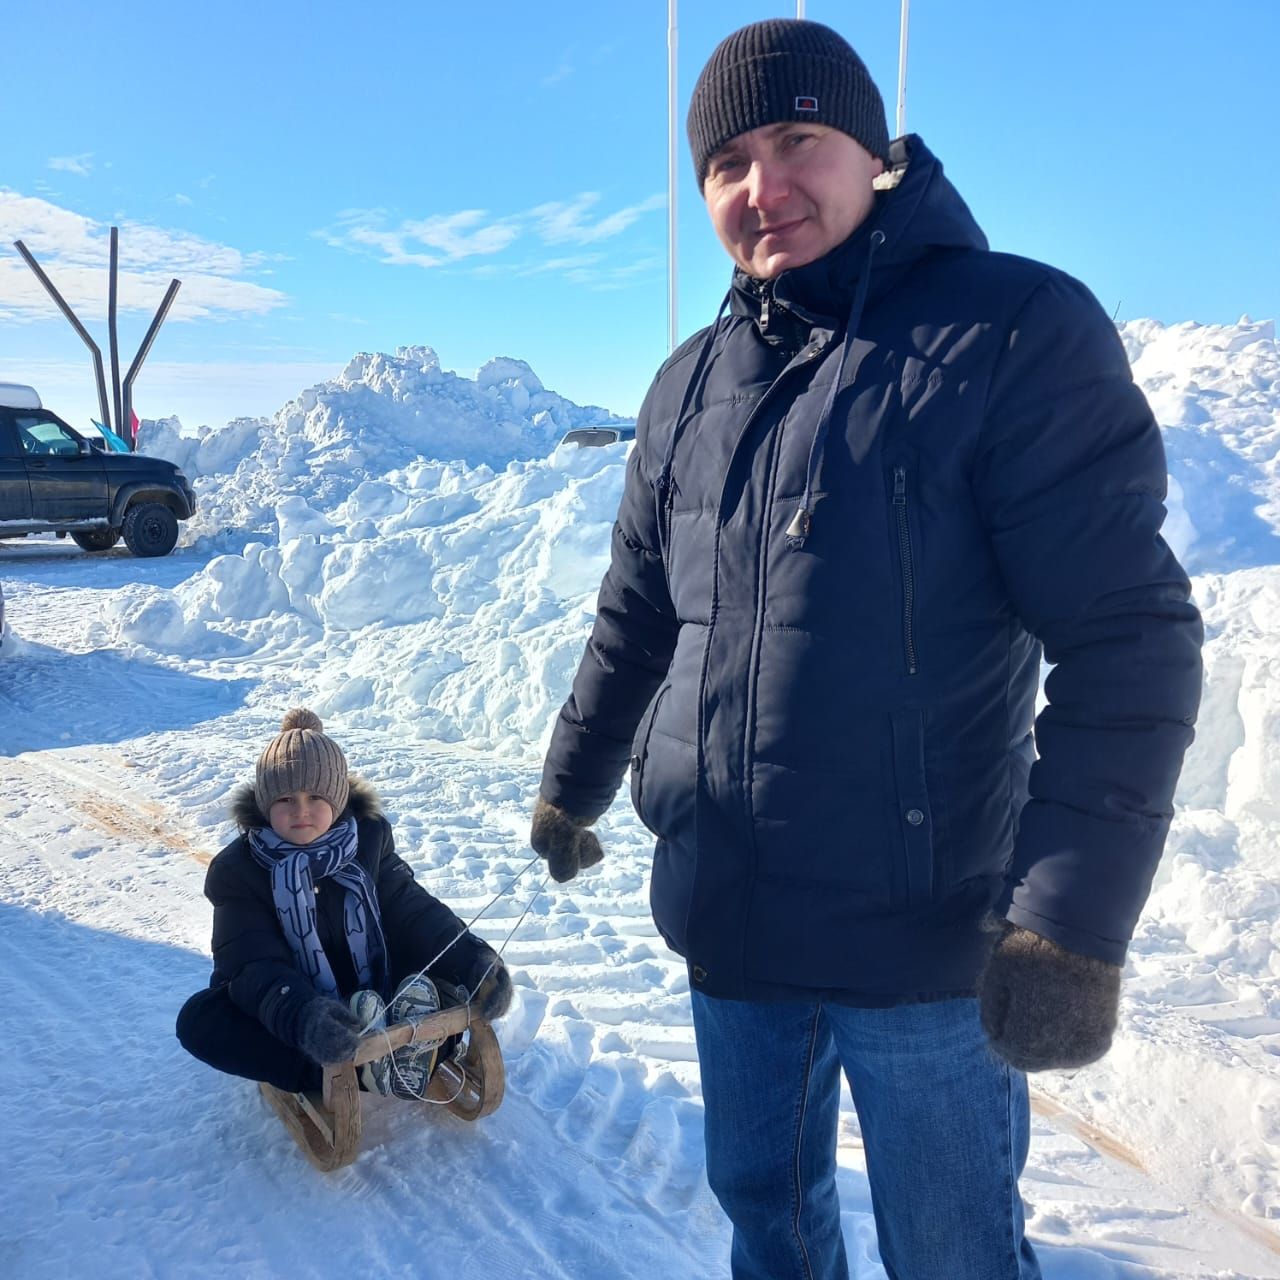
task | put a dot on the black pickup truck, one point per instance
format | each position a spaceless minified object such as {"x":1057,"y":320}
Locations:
{"x":53,"y":480}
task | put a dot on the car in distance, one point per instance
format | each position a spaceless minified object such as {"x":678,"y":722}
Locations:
{"x":53,"y":480}
{"x":594,"y":437}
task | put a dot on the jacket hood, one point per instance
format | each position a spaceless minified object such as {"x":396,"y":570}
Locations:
{"x":362,"y":802}
{"x":920,"y":211}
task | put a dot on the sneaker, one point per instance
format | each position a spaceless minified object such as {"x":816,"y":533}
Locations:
{"x":370,"y":1009}
{"x":375,"y":1076}
{"x":416,"y":997}
{"x":410,"y":1068}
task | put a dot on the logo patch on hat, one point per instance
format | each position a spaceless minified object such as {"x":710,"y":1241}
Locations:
{"x":806,"y":104}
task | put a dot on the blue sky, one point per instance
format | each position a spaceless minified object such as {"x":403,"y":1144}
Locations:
{"x":489,"y":179}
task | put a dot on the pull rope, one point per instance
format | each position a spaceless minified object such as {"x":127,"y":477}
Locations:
{"x":444,"y":1102}
{"x":502,"y":893}
{"x":537,"y":893}
{"x":471,"y":995}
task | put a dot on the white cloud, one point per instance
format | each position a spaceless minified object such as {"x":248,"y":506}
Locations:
{"x":457,"y":235}
{"x":74,"y":251}
{"x":73,"y":164}
{"x":577,"y":261}
{"x":601,"y":278}
{"x":562,"y":72}
{"x":447,"y":238}
{"x":590,"y":270}
{"x":566,"y":222}
{"x":444,"y":239}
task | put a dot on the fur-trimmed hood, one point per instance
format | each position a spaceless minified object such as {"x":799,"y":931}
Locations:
{"x":363,"y":802}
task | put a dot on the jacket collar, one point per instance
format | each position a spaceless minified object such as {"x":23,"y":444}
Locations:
{"x":919,"y":212}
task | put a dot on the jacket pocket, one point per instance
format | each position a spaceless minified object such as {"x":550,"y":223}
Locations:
{"x":906,"y":567}
{"x":640,"y":755}
{"x":915,"y":818}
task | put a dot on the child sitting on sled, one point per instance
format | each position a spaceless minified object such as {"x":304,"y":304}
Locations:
{"x":316,"y":921}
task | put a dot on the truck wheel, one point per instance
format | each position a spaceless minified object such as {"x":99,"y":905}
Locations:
{"x":95,"y":539}
{"x":150,"y":529}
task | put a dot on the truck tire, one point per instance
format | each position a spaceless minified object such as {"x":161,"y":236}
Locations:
{"x":150,"y":529}
{"x":95,"y":539}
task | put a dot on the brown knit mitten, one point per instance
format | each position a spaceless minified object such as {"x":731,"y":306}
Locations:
{"x":327,"y":1031}
{"x":563,"y":840}
{"x":1043,"y":1006}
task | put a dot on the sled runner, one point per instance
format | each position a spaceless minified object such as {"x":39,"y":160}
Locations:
{"x":469,"y":1083}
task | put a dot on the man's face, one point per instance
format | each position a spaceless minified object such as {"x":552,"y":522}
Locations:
{"x":784,"y":194}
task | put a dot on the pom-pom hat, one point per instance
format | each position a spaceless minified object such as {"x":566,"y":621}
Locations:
{"x":301,"y":757}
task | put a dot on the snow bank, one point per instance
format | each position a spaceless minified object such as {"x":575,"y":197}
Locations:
{"x":382,"y":414}
{"x":422,"y":530}
{"x":1213,"y":389}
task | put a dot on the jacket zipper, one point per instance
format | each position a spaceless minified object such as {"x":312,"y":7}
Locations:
{"x":907,"y":562}
{"x":766,"y":299}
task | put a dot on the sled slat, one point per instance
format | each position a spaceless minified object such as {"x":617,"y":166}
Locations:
{"x":327,"y":1148}
{"x":435,"y":1026}
{"x":317,"y":1117}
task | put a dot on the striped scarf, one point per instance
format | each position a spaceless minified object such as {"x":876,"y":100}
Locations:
{"x":295,"y":870}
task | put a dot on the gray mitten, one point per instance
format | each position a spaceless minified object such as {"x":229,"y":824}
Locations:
{"x":563,"y":840}
{"x":1043,"y":1006}
{"x":328,"y":1031}
{"x":493,"y":997}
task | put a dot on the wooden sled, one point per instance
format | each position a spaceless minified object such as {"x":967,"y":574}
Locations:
{"x":326,"y":1125}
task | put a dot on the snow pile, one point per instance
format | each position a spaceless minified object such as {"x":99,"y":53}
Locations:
{"x":382,"y":414}
{"x":423,"y":530}
{"x":1213,"y":390}
{"x":209,"y":451}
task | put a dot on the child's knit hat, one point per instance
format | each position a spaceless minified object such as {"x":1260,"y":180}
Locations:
{"x":301,"y":758}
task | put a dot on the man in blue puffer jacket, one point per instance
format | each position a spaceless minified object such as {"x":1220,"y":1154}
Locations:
{"x":860,"y":507}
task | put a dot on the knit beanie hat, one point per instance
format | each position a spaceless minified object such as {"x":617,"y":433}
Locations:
{"x":783,"y":69}
{"x":301,"y":758}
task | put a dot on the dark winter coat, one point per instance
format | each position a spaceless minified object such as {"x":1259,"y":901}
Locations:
{"x":251,"y":955}
{"x":831,"y":735}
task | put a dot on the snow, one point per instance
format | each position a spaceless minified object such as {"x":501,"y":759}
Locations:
{"x":408,"y":552}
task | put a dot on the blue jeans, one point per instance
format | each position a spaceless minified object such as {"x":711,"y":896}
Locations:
{"x":945,"y":1126}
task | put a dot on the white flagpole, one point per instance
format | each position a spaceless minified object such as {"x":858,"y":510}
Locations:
{"x":673,"y":156}
{"x":799,"y":8}
{"x":902,"y":69}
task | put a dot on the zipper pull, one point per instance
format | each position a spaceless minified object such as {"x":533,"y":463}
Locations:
{"x":899,"y":486}
{"x":766,"y":294}
{"x":664,"y":495}
{"x":798,"y":529}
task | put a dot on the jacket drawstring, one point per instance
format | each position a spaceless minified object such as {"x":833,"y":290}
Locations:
{"x":663,"y":490}
{"x":798,"y":529}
